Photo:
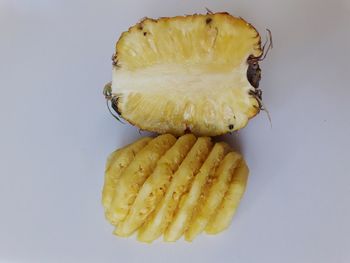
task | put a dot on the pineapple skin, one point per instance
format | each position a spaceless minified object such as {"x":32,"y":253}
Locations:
{"x":186,"y":74}
{"x":173,"y":187}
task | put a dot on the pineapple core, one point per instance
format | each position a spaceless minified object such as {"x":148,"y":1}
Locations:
{"x":186,"y":74}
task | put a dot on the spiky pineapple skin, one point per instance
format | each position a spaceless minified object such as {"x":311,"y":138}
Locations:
{"x":186,"y":74}
{"x":178,"y":187}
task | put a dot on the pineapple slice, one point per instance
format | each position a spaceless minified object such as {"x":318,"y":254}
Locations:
{"x":223,"y":215}
{"x":196,"y":73}
{"x":179,"y":185}
{"x":116,"y":164}
{"x":214,"y":197}
{"x":183,"y":215}
{"x":155,"y":186}
{"x":136,"y":173}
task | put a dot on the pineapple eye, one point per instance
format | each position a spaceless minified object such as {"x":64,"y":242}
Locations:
{"x":208,"y":20}
{"x":230,"y":126}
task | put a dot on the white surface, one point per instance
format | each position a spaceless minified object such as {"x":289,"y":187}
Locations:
{"x":56,"y":134}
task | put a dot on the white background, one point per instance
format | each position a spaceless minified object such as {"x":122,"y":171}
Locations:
{"x":55,"y":134}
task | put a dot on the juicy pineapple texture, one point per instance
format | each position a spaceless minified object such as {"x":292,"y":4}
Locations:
{"x":173,"y":187}
{"x":186,"y":74}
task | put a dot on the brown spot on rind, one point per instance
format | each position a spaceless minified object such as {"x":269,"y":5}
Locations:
{"x":253,"y":72}
{"x":114,"y":60}
{"x":115,"y":105}
{"x":140,"y":27}
{"x":187,"y":130}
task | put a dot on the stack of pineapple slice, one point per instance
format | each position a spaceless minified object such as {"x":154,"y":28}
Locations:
{"x":173,"y":187}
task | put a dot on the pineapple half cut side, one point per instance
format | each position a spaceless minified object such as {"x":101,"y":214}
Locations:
{"x":196,"y":73}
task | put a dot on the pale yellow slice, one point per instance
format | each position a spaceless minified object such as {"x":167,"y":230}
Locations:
{"x":115,"y":166}
{"x":136,"y":173}
{"x":185,"y":210}
{"x":223,"y":215}
{"x":155,"y":186}
{"x":180,"y":183}
{"x":215,"y":195}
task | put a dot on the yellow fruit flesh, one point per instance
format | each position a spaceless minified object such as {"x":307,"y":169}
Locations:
{"x":223,"y":215}
{"x":155,"y":186}
{"x":183,"y":186}
{"x":186,"y":73}
{"x":163,"y":214}
{"x":184,"y":213}
{"x":215,"y":195}
{"x":136,"y":173}
{"x":116,"y":164}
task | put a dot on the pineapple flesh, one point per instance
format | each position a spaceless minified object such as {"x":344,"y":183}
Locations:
{"x":163,"y":214}
{"x":224,"y":213}
{"x":136,"y":173}
{"x":187,"y":74}
{"x":173,"y":187}
{"x":116,"y":164}
{"x":214,"y":196}
{"x":190,"y":203}
{"x":155,"y":186}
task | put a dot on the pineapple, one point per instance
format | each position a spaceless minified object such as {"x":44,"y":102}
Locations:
{"x":182,"y":217}
{"x":173,"y":187}
{"x":220,"y":184}
{"x":224,"y":213}
{"x":136,"y":173}
{"x":196,"y":73}
{"x":116,"y":164}
{"x":155,"y":186}
{"x":176,"y":192}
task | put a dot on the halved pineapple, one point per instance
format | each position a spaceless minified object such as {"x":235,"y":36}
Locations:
{"x":196,"y":73}
{"x":173,"y":187}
